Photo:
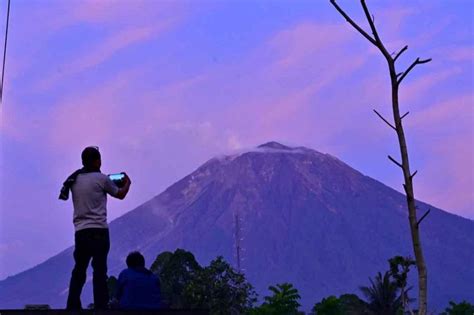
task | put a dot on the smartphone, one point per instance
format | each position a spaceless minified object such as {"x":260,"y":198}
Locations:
{"x":117,"y":177}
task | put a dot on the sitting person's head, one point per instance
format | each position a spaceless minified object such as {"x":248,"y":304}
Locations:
{"x":135,"y":260}
{"x":138,"y":287}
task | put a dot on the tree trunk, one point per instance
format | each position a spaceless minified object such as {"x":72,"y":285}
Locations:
{"x":408,"y":186}
{"x":396,"y":79}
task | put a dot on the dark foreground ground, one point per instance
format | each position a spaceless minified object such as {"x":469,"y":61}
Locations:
{"x":108,"y":312}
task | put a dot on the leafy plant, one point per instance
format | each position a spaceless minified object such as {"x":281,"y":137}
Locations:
{"x":382,"y":295}
{"x":219,"y":288}
{"x":284,"y":300}
{"x":175,"y":270}
{"x":329,"y":306}
{"x":463,"y":308}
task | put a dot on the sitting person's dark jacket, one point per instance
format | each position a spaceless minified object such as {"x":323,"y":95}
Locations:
{"x":138,"y":287}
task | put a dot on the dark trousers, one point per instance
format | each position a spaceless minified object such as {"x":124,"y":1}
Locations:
{"x":90,"y":244}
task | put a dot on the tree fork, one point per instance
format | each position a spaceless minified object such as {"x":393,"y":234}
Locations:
{"x":395,"y":80}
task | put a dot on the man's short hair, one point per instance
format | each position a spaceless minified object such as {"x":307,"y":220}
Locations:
{"x":135,"y":259}
{"x":89,"y":155}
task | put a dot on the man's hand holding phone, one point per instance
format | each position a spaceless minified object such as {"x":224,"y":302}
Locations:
{"x":126,"y":179}
{"x":123,"y":182}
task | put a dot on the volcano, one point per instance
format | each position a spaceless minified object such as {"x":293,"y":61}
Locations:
{"x":279,"y":214}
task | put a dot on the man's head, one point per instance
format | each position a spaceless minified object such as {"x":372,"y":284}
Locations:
{"x":91,"y":157}
{"x":135,"y":260}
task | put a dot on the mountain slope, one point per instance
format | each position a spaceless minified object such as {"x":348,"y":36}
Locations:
{"x":305,"y":218}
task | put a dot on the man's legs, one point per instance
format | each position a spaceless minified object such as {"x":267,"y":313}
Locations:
{"x":82,"y":256}
{"x":99,"y":265}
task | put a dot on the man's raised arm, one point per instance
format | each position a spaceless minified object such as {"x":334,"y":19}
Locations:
{"x":122,"y":192}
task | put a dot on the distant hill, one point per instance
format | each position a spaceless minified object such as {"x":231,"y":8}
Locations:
{"x":305,"y":218}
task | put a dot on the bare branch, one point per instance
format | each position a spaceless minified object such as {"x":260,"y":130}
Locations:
{"x":404,"y":115}
{"x":424,"y":60}
{"x":399,"y":53}
{"x":351,"y":22}
{"x":416,"y":62}
{"x":395,"y":161}
{"x":371,"y":23}
{"x":396,"y":79}
{"x":421,"y":219}
{"x":385,"y":120}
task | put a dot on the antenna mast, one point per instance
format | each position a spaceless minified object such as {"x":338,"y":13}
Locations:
{"x":238,"y":239}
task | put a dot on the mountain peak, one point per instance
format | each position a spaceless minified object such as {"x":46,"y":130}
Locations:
{"x":289,"y":207}
{"x":275,"y":145}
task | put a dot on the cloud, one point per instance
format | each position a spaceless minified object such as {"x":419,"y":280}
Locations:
{"x":289,"y":75}
{"x":112,"y":45}
{"x":460,"y":54}
{"x":91,"y":117}
{"x":453,"y":113}
{"x":233,"y":142}
{"x":449,"y":174}
{"x":305,"y":79}
{"x":301,"y":41}
{"x":446,"y":140}
{"x":82,"y":35}
{"x":108,"y":13}
{"x":422,"y":85}
{"x":103,"y":51}
{"x":105,"y":11}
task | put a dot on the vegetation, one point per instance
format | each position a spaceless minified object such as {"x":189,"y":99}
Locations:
{"x":223,"y":290}
{"x":399,"y":268}
{"x":382,"y":295}
{"x":217,"y":287}
{"x":329,"y":306}
{"x":284,"y":300}
{"x":220,"y":289}
{"x":176,"y":271}
{"x":346,"y":304}
{"x":463,"y":308}
{"x":387,"y":294}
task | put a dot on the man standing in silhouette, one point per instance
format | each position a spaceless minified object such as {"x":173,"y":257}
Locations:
{"x":89,"y":189}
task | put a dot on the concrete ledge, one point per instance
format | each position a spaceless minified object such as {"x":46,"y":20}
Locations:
{"x":107,"y":312}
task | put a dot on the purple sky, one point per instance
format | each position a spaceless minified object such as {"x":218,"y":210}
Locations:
{"x":162,"y":86}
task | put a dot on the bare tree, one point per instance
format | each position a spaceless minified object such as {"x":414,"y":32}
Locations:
{"x":396,"y":79}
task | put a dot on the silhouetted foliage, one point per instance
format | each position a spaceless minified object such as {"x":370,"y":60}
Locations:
{"x":329,"y":306}
{"x":284,"y":300}
{"x":353,"y":305}
{"x":382,"y":295}
{"x":176,"y":271}
{"x":399,"y":268}
{"x":346,"y":304}
{"x":463,"y":308}
{"x":219,"y":288}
